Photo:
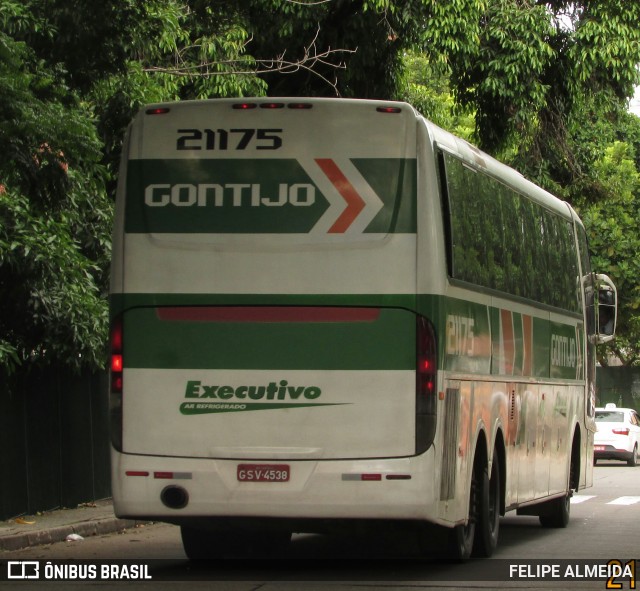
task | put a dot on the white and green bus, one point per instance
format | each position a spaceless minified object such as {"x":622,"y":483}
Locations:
{"x":329,"y":312}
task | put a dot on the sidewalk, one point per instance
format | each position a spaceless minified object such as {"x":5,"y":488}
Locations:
{"x":89,"y":519}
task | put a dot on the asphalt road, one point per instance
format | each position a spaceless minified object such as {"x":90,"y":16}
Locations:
{"x":605,"y":525}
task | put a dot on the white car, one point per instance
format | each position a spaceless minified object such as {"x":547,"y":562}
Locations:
{"x":618,"y":434}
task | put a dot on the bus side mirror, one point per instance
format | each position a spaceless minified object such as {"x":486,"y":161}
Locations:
{"x":606,"y":309}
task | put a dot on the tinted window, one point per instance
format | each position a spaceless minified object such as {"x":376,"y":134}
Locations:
{"x":503,"y":241}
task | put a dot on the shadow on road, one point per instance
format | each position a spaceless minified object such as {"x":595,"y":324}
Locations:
{"x":384,"y":555}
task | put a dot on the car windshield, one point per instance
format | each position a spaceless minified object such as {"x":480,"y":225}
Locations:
{"x":609,"y":416}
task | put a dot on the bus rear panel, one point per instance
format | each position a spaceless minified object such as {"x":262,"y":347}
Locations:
{"x":269,"y":358}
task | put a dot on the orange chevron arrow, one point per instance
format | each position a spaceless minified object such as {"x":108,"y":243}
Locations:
{"x":355,"y":203}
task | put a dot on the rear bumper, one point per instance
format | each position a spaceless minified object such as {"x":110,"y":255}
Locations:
{"x":405,"y":489}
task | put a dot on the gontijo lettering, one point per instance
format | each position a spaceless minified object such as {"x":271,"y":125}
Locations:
{"x":563,"y":351}
{"x":234,"y":194}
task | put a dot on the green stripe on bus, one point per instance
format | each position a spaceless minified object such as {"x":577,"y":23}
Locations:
{"x":387,"y":343}
{"x":259,"y":196}
{"x":119,"y":302}
{"x":473,"y":338}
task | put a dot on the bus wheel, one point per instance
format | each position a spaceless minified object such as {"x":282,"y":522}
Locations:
{"x":556,"y":512}
{"x":461,"y":537}
{"x":486,"y":538}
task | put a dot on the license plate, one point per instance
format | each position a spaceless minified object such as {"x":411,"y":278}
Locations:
{"x":598,"y":447}
{"x":263,"y":472}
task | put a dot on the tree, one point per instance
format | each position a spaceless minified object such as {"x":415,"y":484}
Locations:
{"x":548,"y":82}
{"x":545,"y":83}
{"x":529,"y":65}
{"x":368,"y":36}
{"x":426,"y":86}
{"x":612,"y":227}
{"x":54,"y":219}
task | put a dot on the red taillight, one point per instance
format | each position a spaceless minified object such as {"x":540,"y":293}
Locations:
{"x":117,"y":360}
{"x":116,"y":363}
{"x":116,"y":336}
{"x":116,"y":383}
{"x":371,"y":477}
{"x":116,"y":373}
{"x":426,"y":362}
{"x":426,"y":384}
{"x":620,"y":431}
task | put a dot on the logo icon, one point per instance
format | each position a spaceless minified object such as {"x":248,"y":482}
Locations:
{"x":23,"y":569}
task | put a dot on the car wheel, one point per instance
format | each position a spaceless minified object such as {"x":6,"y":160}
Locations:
{"x":633,"y":460}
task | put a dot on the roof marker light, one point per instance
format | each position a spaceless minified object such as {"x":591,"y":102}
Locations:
{"x":300,"y":106}
{"x":389,"y":109}
{"x":272,"y":105}
{"x":158,"y":111}
{"x":244,"y":106}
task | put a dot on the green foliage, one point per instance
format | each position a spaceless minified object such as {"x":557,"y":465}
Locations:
{"x":55,"y":220}
{"x":426,"y":87}
{"x":606,"y":47}
{"x":540,"y":84}
{"x":368,"y":36}
{"x":548,"y":83}
{"x":525,"y":67}
{"x":612,"y":225}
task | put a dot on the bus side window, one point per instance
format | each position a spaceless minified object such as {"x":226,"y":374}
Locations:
{"x":446,"y":213}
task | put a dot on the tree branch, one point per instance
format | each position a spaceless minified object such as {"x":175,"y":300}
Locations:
{"x":310,"y":60}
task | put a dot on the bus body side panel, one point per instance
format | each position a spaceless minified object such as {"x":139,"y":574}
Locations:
{"x":512,"y":369}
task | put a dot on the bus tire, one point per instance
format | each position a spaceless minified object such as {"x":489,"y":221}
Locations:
{"x":461,"y":540}
{"x":556,"y":512}
{"x":462,"y":536}
{"x":488,"y":526}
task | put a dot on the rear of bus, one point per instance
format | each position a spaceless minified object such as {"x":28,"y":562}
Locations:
{"x":267,"y":357}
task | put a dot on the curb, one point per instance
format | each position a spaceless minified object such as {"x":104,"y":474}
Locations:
{"x":59,"y":534}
